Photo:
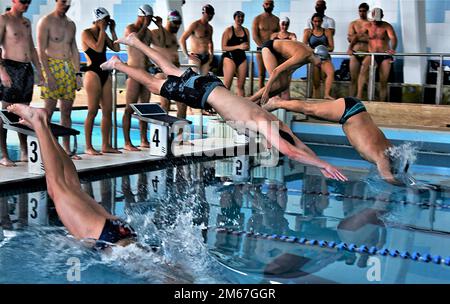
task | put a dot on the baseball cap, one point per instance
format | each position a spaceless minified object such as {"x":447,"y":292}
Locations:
{"x":174,"y":16}
{"x":145,"y":10}
{"x":376,"y":14}
{"x":100,"y":13}
{"x":208,"y":9}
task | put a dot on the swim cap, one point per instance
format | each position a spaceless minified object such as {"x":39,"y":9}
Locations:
{"x":145,"y":10}
{"x":376,"y":14}
{"x":208,"y":9}
{"x":100,"y":13}
{"x":285,"y":19}
{"x":174,"y":16}
{"x":322,"y":52}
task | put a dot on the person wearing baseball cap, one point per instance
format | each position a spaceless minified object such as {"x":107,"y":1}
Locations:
{"x":95,"y":41}
{"x":382,"y":39}
{"x":170,"y":49}
{"x":137,"y":93}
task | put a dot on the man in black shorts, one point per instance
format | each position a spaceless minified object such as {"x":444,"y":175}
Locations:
{"x":17,"y":54}
{"x":208,"y":91}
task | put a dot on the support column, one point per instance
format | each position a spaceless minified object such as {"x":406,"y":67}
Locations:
{"x":414,"y":40}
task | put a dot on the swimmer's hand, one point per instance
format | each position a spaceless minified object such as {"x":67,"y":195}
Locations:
{"x":194,"y":58}
{"x":350,"y":52}
{"x":51,"y":82}
{"x":264,"y":98}
{"x":5,"y":80}
{"x":390,"y":51}
{"x":41,"y":81}
{"x":331,"y":172}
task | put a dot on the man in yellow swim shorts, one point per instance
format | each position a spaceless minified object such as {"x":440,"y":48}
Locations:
{"x":58,"y":53}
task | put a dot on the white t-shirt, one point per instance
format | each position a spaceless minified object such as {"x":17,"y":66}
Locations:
{"x":328,"y":23}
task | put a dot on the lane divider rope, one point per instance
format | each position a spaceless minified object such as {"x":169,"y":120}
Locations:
{"x":372,"y":250}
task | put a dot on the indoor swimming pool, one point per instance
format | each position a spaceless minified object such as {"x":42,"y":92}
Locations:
{"x":235,"y":221}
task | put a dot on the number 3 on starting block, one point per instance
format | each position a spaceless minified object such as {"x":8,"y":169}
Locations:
{"x":35,"y":165}
{"x":158,"y":140}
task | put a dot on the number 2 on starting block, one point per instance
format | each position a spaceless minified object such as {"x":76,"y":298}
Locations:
{"x":35,"y":165}
{"x":159,"y":140}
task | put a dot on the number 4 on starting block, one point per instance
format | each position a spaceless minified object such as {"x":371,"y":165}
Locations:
{"x":159,"y":140}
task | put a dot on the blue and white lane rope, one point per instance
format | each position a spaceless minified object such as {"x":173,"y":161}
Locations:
{"x":372,"y":250}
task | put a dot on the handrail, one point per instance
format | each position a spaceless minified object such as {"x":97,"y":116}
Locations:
{"x":371,"y":81}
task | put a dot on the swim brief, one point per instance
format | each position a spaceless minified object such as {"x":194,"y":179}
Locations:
{"x":204,"y":58}
{"x":353,"y":106}
{"x":114,"y":231}
{"x":22,"y":77}
{"x":66,"y":81}
{"x":190,"y":88}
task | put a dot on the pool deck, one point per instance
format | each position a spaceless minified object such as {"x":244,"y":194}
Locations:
{"x":12,"y":177}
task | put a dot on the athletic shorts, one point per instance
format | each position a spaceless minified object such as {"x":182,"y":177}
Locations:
{"x":22,"y":77}
{"x":66,"y":80}
{"x":190,"y":88}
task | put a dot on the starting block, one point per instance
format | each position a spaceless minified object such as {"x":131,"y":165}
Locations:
{"x":35,"y":165}
{"x":161,"y":135}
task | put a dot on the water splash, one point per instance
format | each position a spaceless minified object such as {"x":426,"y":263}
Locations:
{"x":403,"y":156}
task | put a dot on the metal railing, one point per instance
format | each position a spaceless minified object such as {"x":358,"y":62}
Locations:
{"x":371,"y":80}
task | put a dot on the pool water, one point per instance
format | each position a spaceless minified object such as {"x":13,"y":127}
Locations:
{"x":215,"y":224}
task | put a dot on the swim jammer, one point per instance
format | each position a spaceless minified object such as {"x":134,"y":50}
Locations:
{"x":114,"y":231}
{"x":190,"y":88}
{"x":353,"y":106}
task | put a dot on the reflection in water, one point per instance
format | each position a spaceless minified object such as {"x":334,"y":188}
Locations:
{"x":171,"y":209}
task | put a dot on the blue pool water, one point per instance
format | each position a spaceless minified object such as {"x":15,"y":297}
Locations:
{"x":184,"y":210}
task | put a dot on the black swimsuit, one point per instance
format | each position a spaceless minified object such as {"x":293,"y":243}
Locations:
{"x":269,"y":44}
{"x":96,"y":60}
{"x":238,"y":56}
{"x":114,"y":231}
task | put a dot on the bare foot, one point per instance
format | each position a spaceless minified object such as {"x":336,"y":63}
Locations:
{"x":74,"y":156}
{"x":145,"y":145}
{"x":30,"y":116}
{"x":92,"y":151}
{"x":130,"y":147}
{"x":110,"y":150}
{"x":111,"y":63}
{"x":271,"y":105}
{"x":7,"y":162}
{"x":129,"y":40}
